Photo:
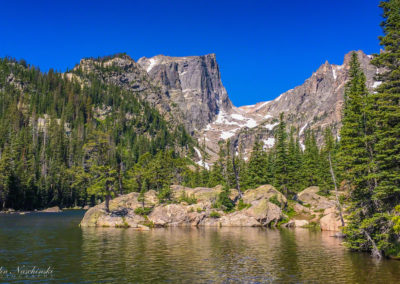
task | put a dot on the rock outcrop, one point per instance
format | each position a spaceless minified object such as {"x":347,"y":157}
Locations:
{"x":260,"y":212}
{"x":264,"y":206}
{"x":331,"y":220}
{"x":321,"y":209}
{"x":121,"y":70}
{"x":311,"y":197}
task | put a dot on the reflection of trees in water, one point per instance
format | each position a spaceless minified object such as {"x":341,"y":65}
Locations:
{"x":176,"y":253}
{"x":287,"y":265}
{"x":224,"y":254}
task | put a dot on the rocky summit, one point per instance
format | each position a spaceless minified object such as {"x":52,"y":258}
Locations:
{"x":193,"y":83}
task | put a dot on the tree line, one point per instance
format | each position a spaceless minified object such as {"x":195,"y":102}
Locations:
{"x":70,"y":144}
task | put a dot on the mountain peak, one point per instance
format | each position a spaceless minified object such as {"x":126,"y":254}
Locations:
{"x":193,"y":83}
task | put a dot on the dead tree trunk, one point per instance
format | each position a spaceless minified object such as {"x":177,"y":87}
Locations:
{"x":375,"y":251}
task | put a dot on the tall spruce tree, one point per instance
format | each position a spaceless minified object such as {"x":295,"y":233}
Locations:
{"x":387,"y":147}
{"x":311,"y":160}
{"x":357,"y":162}
{"x":256,"y":173}
{"x":281,"y":157}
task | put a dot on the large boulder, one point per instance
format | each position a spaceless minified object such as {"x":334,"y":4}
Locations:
{"x":239,"y":219}
{"x":300,"y":209}
{"x":121,"y":211}
{"x":316,"y":201}
{"x":130,"y":201}
{"x":264,"y":212}
{"x":202,"y":194}
{"x":175,"y":215}
{"x":263,"y":192}
{"x":53,"y":209}
{"x":331,"y":220}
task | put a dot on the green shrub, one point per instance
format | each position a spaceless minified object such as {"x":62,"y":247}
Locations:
{"x":143,"y":211}
{"x":224,"y":202}
{"x":323,"y":192}
{"x":199,"y":210}
{"x":274,"y":200}
{"x":282,"y":221}
{"x":189,"y":199}
{"x":148,"y":223}
{"x":215,"y":214}
{"x":164,"y":194}
{"x":289,"y":211}
{"x":241,"y":205}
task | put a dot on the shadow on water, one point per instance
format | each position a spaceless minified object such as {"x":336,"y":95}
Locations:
{"x":183,"y":255}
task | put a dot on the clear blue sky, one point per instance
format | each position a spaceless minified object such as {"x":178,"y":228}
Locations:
{"x":263,"y":47}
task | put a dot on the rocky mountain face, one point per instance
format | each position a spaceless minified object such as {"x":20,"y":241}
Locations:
{"x":123,"y":71}
{"x":193,"y":83}
{"x":189,"y":90}
{"x":315,"y":104}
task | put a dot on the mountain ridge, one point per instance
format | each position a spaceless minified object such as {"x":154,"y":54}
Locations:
{"x":189,"y":90}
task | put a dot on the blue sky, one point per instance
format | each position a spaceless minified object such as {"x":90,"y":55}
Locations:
{"x":263,"y":47}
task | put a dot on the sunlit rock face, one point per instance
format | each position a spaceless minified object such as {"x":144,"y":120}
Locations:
{"x":315,"y":104}
{"x":193,"y":83}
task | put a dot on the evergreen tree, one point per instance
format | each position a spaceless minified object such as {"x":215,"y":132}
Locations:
{"x":281,"y":158}
{"x":386,"y":180}
{"x":257,"y":167}
{"x":311,"y":160}
{"x":357,"y":161}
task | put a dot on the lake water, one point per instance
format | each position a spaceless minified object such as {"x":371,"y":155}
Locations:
{"x":176,"y":255}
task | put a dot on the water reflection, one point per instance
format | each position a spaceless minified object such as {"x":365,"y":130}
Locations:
{"x":228,"y":255}
{"x":183,"y":255}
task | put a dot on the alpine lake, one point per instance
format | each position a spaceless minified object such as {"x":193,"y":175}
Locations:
{"x":52,"y":248}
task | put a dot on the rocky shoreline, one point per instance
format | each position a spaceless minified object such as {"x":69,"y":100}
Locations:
{"x":54,"y":209}
{"x":261,"y":207}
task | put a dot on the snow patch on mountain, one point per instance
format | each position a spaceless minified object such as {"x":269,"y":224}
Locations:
{"x":271,"y":126}
{"x":269,"y":143}
{"x":153,"y":62}
{"x":201,"y":162}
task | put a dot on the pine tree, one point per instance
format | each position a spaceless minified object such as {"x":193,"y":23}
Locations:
{"x":388,"y":104}
{"x":357,"y":161}
{"x":281,"y":158}
{"x":257,"y":167}
{"x":294,"y":163}
{"x":311,"y":160}
{"x":386,"y":194}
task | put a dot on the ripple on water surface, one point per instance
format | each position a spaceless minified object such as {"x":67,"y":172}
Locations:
{"x":183,"y":255}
